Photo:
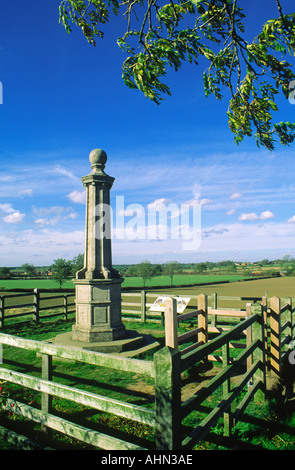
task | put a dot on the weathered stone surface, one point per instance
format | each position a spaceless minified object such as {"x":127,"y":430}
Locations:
{"x":130,"y":343}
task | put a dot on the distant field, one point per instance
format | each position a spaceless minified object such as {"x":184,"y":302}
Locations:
{"x":279,"y":286}
{"x":33,"y":284}
{"x":134,"y":282}
{"x":282,"y":286}
{"x":181,"y":279}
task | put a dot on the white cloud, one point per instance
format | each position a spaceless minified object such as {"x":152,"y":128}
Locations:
{"x":7,"y":208}
{"x":14,"y":218}
{"x":71,"y":215}
{"x":195,"y":202}
{"x":236,"y":237}
{"x":79,"y":197}
{"x":158,"y":204}
{"x":235,"y":196}
{"x":253,"y":216}
{"x":258,"y":181}
{"x":41,"y":221}
{"x":64,"y":172}
{"x":266,"y":215}
{"x":60,"y":214}
{"x":25,"y":192}
{"x":214,"y":231}
{"x":39,"y":246}
{"x":240,"y":237}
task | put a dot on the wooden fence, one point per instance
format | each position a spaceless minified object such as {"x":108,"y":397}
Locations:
{"x":262,"y":331}
{"x":136,"y":305}
{"x":169,"y":412}
{"x":36,"y":306}
{"x":39,"y":305}
{"x":278,"y":325}
{"x":48,"y":388}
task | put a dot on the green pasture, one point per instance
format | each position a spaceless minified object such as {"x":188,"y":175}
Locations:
{"x":133,"y":282}
{"x":33,"y":284}
{"x":180,"y":279}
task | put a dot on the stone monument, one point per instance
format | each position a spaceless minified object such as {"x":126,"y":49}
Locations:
{"x":98,"y":284}
{"x":98,"y":324}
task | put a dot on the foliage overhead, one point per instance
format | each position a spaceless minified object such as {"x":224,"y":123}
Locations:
{"x":160,"y":35}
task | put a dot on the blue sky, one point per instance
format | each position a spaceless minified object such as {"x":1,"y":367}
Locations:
{"x":62,"y":98}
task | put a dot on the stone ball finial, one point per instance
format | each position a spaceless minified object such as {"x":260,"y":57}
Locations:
{"x":98,"y":159}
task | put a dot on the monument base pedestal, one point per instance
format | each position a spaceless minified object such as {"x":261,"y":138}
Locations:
{"x":98,"y":310}
{"x":97,"y":334}
{"x":132,"y":345}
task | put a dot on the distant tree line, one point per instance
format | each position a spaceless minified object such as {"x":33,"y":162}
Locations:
{"x":63,"y":269}
{"x":59,"y":271}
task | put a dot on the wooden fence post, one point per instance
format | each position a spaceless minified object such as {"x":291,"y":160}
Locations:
{"x":167,"y":363}
{"x":143,"y":306}
{"x":266,"y":330}
{"x":213,"y":306}
{"x":66,"y":306}
{"x":227,"y":416}
{"x":46,"y":398}
{"x":171,"y":334}
{"x":203,"y":318}
{"x":259,"y":353}
{"x":275,"y":335}
{"x":292,"y":324}
{"x":249,"y":339}
{"x":289,"y":302}
{"x":36,"y":304}
{"x":2,"y":307}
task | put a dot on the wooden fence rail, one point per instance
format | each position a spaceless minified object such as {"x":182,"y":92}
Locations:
{"x":36,"y":303}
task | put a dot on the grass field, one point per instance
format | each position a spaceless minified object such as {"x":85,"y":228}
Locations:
{"x":33,"y":284}
{"x":133,"y":282}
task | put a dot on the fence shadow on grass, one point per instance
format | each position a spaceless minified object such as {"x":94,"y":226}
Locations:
{"x":231,"y":443}
{"x":143,"y":397}
{"x":112,"y":426}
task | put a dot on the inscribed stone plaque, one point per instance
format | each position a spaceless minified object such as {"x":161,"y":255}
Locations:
{"x":100,"y":294}
{"x":100,"y":315}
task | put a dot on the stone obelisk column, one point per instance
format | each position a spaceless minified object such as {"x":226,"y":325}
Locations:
{"x":98,"y":284}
